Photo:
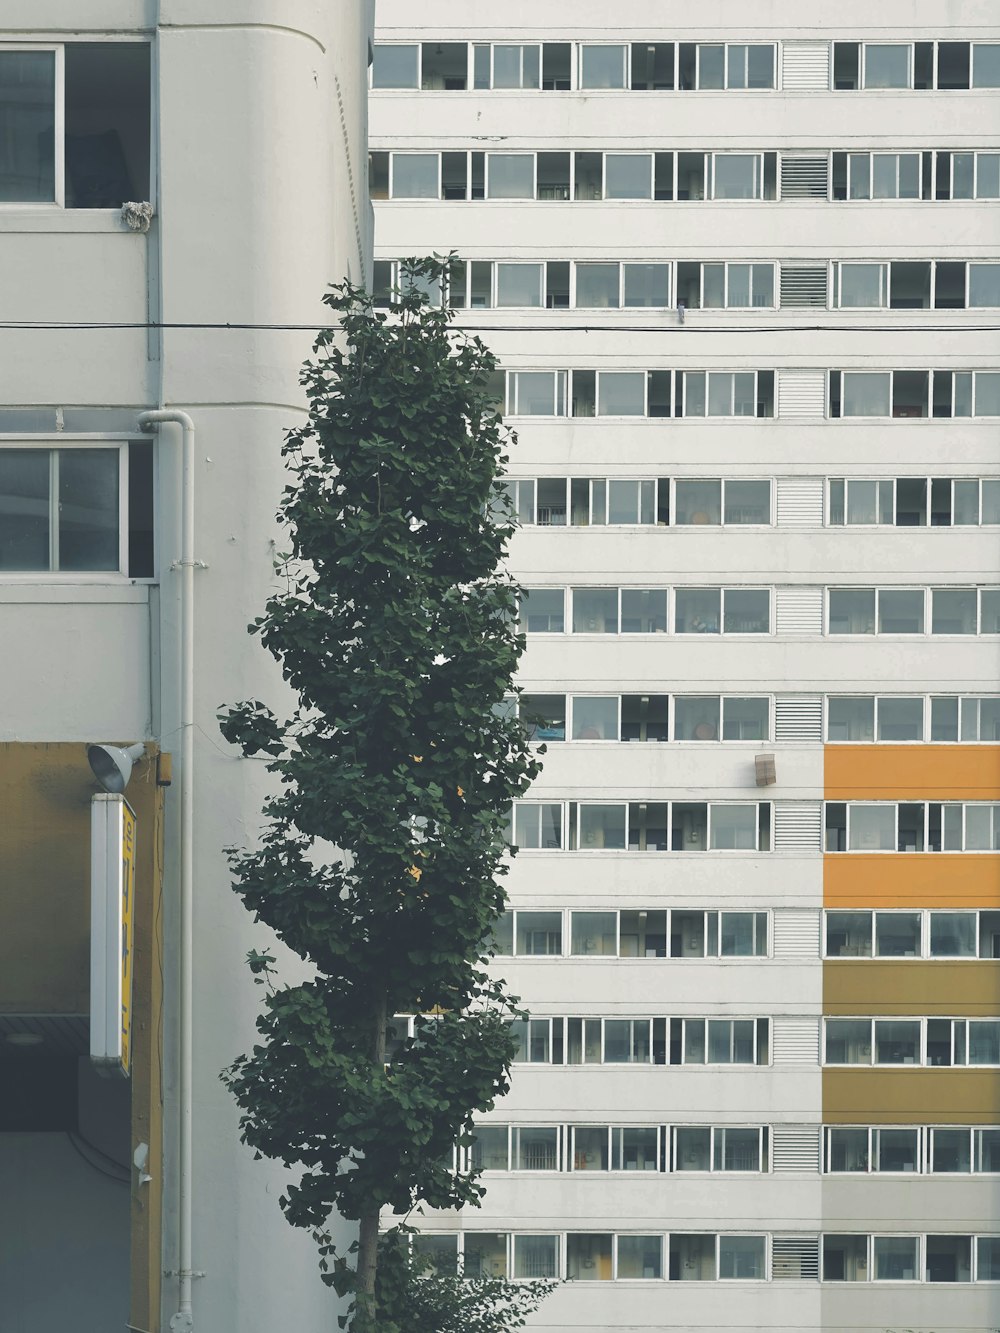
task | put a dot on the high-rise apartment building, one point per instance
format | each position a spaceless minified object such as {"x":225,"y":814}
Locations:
{"x":234,"y":134}
{"x":741,"y":266}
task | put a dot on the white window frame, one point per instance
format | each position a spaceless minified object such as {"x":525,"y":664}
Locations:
{"x":53,"y":445}
{"x":896,"y":88}
{"x":408,"y":198}
{"x":626,"y":48}
{"x":491,"y":46}
{"x":758,"y":175}
{"x":59,"y":126}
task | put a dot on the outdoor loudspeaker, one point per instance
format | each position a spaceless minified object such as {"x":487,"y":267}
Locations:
{"x":112,"y":767}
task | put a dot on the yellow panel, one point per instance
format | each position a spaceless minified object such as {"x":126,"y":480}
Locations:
{"x":911,"y":986}
{"x":912,"y":772}
{"x":911,"y":1096}
{"x":911,"y":879}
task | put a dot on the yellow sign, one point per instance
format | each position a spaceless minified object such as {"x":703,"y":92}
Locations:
{"x":128,"y":929}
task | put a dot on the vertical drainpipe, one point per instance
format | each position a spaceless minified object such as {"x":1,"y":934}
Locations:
{"x":183,"y":1320}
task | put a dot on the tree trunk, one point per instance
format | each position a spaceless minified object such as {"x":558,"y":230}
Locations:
{"x":365,"y":1319}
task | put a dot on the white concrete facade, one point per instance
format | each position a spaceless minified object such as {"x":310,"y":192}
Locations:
{"x":257,"y":182}
{"x":800,"y":551}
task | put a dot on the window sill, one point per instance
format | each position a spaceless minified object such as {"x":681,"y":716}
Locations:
{"x":64,"y":221}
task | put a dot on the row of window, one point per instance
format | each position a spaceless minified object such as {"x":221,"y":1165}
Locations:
{"x":909,"y":394}
{"x":850,"y":611}
{"x":641,"y":826}
{"x":684,"y":175}
{"x":640,"y":933}
{"x":933,"y":1042}
{"x":668,"y":66}
{"x":905,"y":934}
{"x":559,"y":284}
{"x":903,"y":502}
{"x":684,"y":932}
{"x":699,"y":826}
{"x":854,"y":719}
{"x":74,"y":124}
{"x":711,"y":1257}
{"x":642,"y":1041}
{"x":853,"y":1149}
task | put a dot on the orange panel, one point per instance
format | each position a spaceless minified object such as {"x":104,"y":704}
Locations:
{"x":911,"y":879}
{"x":912,"y":772}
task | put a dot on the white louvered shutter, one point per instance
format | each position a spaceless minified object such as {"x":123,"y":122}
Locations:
{"x":796,"y":933}
{"x":795,"y":1257}
{"x":802,"y":394}
{"x":798,"y":826}
{"x":798,"y":719}
{"x":798,"y":610}
{"x":803,"y":285}
{"x":800,"y":502}
{"x":805,"y":176}
{"x":795,"y":1041}
{"x":805,"y":65}
{"x":795,"y":1147}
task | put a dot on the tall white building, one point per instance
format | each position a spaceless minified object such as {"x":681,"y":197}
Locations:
{"x":742,"y":272}
{"x":238,"y":131}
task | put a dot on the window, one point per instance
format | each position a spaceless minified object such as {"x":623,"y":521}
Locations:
{"x":646,"y":826}
{"x":913,"y":501}
{"x":726,"y":393}
{"x":722,"y":610}
{"x":541,"y":611}
{"x":395,"y":66}
{"x":507,"y":65}
{"x":913,"y":826}
{"x":536,"y":393}
{"x":87,"y":509}
{"x":536,"y":1257}
{"x":603,"y":66}
{"x":934,"y":1042}
{"x":904,"y":934}
{"x":876,"y":610}
{"x":95,"y":96}
{"x":725,"y":286}
{"x":619,"y":610}
{"x":537,"y":824}
{"x":719,"y":1041}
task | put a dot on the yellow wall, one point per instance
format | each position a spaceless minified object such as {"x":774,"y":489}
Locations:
{"x":911,"y":879}
{"x":911,"y":1096}
{"x":912,"y":772}
{"x":911,"y":986}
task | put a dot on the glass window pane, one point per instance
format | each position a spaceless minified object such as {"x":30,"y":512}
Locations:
{"x":640,"y":1257}
{"x":644,"y":611}
{"x":845,"y":1258}
{"x":27,"y":127}
{"x":692,"y":1257}
{"x":415,"y":175}
{"x":746,"y":611}
{"x":861,"y":285}
{"x":698,"y":502}
{"x":88,"y":509}
{"x":859,"y":167}
{"x":646,"y":285}
{"x":849,"y":934}
{"x":24,"y":508}
{"x":539,"y":934}
{"x":984,"y":1041}
{"x":895,"y":1259}
{"x":736,"y":938}
{"x":533,"y":393}
{"x":711,"y":66}
{"x":602,"y":827}
{"x":597,"y":286}
{"x":602,"y":66}
{"x":954,"y":935}
{"x":988,"y":1258}
{"x":745,"y":719}
{"x":692,"y":1151}
{"x":536,"y":1256}
{"x":901,"y":611}
{"x":897,"y":1149}
{"x":944,"y":718}
{"x":733,"y":827}
{"x":542,"y":610}
{"x":985,"y":65}
{"x":519,"y":284}
{"x":595,"y":610}
{"x":852,"y":610}
{"x":851,"y":719}
{"x":489,"y":1151}
{"x":535,"y":1149}
{"x":748,"y":502}
{"x":538,"y":824}
{"x":696,"y":610}
{"x":594,"y":934}
{"x":510,"y":175}
{"x":696,"y":717}
{"x":742,"y":1258}
{"x":760,"y":66}
{"x":953,"y":611}
{"x":884,"y":176}
{"x":595,"y":719}
{"x":621,"y":394}
{"x":736,"y":175}
{"x":590,"y":1148}
{"x":392,"y":67}
{"x":865,"y":394}
{"x":988,"y":175}
{"x":951,"y":1150}
{"x":984,"y":285}
{"x":588,"y":1257}
{"x":847,"y":1150}
{"x":485,"y":1254}
{"x":872,"y":828}
{"x":848,"y":1041}
{"x":897,"y":1042}
{"x":987,"y":393}
{"x":887,"y":66}
{"x":740,"y":1150}
{"x":623,"y":502}
{"x":628,"y":176}
{"x":909,"y":176}
{"x":720,"y":394}
{"x":989,"y":611}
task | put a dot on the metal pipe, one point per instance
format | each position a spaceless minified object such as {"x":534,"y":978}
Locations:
{"x":183,"y":1320}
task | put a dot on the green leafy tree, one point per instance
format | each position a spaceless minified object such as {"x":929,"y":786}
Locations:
{"x":381,"y":855}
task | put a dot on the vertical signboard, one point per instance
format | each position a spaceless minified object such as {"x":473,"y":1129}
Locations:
{"x":112,"y":915}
